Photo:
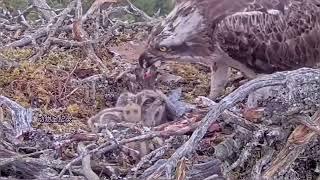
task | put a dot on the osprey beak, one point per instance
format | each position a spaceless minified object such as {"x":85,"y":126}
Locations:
{"x":147,"y":74}
{"x":149,"y":64}
{"x":151,"y":71}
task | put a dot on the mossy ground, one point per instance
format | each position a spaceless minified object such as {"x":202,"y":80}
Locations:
{"x":196,"y":80}
{"x":45,"y":85}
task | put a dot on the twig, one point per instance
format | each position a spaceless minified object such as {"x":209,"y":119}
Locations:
{"x":44,"y":31}
{"x":212,"y":168}
{"x":86,"y":163}
{"x":82,"y":35}
{"x":68,"y":95}
{"x":147,"y":158}
{"x":9,"y":27}
{"x":28,"y":38}
{"x":53,"y":31}
{"x":139,"y":12}
{"x":103,"y":148}
{"x":24,"y":12}
{"x":23,"y":20}
{"x":312,"y":123}
{"x":232,"y":117}
{"x":5,"y":161}
{"x":44,"y":8}
{"x":246,"y":153}
{"x":68,"y":79}
{"x":69,"y":43}
{"x":257,"y":170}
{"x":96,"y":5}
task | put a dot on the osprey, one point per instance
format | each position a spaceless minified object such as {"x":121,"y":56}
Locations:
{"x":252,"y":36}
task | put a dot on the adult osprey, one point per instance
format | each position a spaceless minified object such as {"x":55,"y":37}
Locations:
{"x":261,"y":36}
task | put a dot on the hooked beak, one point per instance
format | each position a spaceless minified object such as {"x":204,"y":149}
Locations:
{"x":150,"y":65}
{"x":147,"y":73}
{"x":152,"y":71}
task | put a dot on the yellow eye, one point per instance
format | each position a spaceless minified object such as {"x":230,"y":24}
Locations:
{"x":163,"y":49}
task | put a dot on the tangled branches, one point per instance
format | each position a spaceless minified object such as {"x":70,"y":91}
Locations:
{"x":258,"y":131}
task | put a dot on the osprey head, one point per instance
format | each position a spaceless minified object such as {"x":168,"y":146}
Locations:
{"x":188,"y":32}
{"x":180,"y":37}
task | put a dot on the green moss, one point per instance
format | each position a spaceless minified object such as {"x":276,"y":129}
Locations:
{"x":60,"y":59}
{"x":16,"y":54}
{"x":14,"y":4}
{"x":195,"y":80}
{"x":45,"y":83}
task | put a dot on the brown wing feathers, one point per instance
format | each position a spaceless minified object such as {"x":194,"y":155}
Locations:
{"x":269,"y":42}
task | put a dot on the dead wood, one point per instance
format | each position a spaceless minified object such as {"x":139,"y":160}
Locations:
{"x":21,"y":117}
{"x":28,"y":164}
{"x":139,"y":12}
{"x":94,"y":7}
{"x":27,"y":39}
{"x":86,"y":164}
{"x":174,"y":130}
{"x":81,"y":35}
{"x":285,"y":79}
{"x":8,"y":160}
{"x":7,"y":64}
{"x":150,"y":158}
{"x":10,"y":27}
{"x":296,"y":144}
{"x":206,"y":170}
{"x":237,"y":134}
{"x":258,"y":168}
{"x":69,"y":43}
{"x":248,"y":135}
{"x":53,"y":29}
{"x":44,"y":8}
{"x":44,"y":31}
{"x":22,"y":20}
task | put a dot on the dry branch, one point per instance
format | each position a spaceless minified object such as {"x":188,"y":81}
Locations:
{"x":96,"y":5}
{"x":86,"y":163}
{"x":146,"y":159}
{"x":277,"y":79}
{"x":44,"y":31}
{"x":42,"y":35}
{"x":44,"y":8}
{"x":53,"y":29}
{"x":41,"y":32}
{"x":6,"y":161}
{"x":68,"y":43}
{"x":21,"y":116}
{"x":139,"y":12}
{"x":10,"y":27}
{"x":7,"y":64}
{"x":179,"y":128}
{"x":296,"y":144}
{"x":27,"y":39}
{"x":258,"y":168}
{"x":81,"y":35}
{"x":22,"y":20}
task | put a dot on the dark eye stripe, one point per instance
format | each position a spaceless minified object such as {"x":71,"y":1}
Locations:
{"x":180,"y":48}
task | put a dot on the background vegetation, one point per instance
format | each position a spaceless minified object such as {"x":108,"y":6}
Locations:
{"x":149,"y":6}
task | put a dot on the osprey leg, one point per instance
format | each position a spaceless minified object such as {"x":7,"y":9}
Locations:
{"x":219,"y":76}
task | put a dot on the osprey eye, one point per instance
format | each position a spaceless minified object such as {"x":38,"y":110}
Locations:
{"x":163,"y":49}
